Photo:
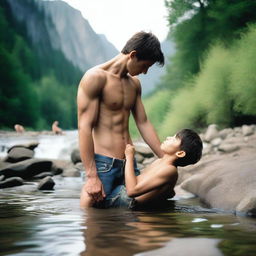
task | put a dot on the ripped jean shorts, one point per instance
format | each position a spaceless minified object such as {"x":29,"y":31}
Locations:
{"x":111,"y":173}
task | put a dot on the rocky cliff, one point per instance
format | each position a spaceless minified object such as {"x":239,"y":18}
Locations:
{"x":65,"y":29}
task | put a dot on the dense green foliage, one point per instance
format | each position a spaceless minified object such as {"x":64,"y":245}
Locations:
{"x":38,"y":84}
{"x":211,"y":78}
{"x":222,"y":92}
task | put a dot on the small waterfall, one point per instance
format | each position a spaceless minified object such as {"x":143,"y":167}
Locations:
{"x":50,"y":146}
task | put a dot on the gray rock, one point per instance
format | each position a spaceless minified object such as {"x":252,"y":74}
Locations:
{"x":75,"y":156}
{"x":238,"y":130}
{"x":43,"y":175}
{"x":71,"y":172}
{"x":46,"y":184}
{"x":228,"y":132}
{"x":26,"y":169}
{"x":11,"y":182}
{"x":216,"y":142}
{"x":2,"y":177}
{"x":247,"y":130}
{"x":139,"y":158}
{"x":19,"y":153}
{"x":248,"y":204}
{"x":207,"y":148}
{"x":227,"y":183}
{"x":144,"y":150}
{"x":228,"y":148}
{"x":211,"y":133}
{"x":56,"y":170}
{"x":30,"y":146}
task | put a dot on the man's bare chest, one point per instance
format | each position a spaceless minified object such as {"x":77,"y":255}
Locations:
{"x":119,"y":95}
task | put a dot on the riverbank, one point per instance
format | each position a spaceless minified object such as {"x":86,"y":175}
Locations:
{"x":224,"y":178}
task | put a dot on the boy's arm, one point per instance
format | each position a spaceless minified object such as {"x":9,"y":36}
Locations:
{"x":145,"y":127}
{"x":88,"y":107}
{"x":149,"y":182}
{"x":130,"y":177}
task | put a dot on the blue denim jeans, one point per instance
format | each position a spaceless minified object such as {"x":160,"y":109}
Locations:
{"x":119,"y":199}
{"x":111,"y":173}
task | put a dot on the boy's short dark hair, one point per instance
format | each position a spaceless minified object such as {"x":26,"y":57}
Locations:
{"x":192,"y":144}
{"x":147,"y":47}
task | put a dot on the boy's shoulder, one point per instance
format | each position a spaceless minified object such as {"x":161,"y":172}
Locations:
{"x":169,"y":170}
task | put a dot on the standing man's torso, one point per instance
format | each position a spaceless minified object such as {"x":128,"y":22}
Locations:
{"x":117,"y":99}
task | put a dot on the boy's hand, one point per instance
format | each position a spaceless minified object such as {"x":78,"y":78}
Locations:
{"x":129,"y":150}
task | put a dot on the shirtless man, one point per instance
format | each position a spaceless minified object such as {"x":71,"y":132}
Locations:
{"x":107,"y":94}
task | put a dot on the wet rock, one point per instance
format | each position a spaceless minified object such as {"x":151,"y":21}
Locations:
{"x":139,"y":158}
{"x":75,"y":156}
{"x":207,"y":148}
{"x":228,"y":148}
{"x":248,"y":204}
{"x":26,"y":169}
{"x":59,"y":165}
{"x":71,"y":172}
{"x":211,"y":133}
{"x":30,"y":146}
{"x":238,"y":131}
{"x":56,"y":170}
{"x":46,"y":184}
{"x":247,"y":130}
{"x":11,"y":182}
{"x":20,"y":153}
{"x":216,"y":142}
{"x":227,"y":183}
{"x":228,"y":132}
{"x":43,"y":175}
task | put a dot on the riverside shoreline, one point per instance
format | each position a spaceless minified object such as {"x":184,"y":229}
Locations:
{"x":224,"y":178}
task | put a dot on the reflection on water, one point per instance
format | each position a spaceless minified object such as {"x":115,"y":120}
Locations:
{"x":51,"y":223}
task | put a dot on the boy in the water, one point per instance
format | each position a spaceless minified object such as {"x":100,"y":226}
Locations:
{"x":157,"y":181}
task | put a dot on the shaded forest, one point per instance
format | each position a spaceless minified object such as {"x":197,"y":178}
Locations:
{"x":38,"y":84}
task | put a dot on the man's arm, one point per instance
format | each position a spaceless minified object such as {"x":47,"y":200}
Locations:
{"x":145,"y":127}
{"x":88,"y":95}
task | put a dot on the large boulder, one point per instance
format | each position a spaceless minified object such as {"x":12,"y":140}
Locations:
{"x":26,"y":169}
{"x":30,"y":146}
{"x":20,"y":153}
{"x":224,"y":181}
{"x":11,"y":182}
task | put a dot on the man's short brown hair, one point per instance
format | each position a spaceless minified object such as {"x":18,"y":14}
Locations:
{"x":147,"y":47}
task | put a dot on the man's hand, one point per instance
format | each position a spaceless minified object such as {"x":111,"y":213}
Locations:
{"x":129,"y":150}
{"x":94,"y":188}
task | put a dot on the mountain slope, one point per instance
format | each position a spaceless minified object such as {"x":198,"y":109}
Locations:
{"x":75,"y":37}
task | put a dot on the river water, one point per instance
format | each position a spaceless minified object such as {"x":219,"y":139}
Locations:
{"x":49,"y":223}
